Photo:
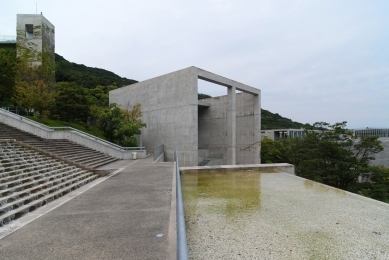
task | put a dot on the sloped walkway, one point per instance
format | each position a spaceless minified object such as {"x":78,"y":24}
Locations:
{"x":124,"y":217}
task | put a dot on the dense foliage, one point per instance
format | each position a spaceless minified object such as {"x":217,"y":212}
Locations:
{"x":8,"y":66}
{"x":71,"y":102}
{"x":34,"y":77}
{"x":275,"y":121}
{"x":333,"y":156}
{"x":121,"y":125}
{"x":86,"y":77}
{"x":203,"y":96}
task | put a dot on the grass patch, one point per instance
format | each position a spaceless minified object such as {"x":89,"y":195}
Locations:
{"x":92,"y":130}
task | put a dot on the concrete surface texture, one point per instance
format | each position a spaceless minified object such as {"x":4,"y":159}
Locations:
{"x":127,"y":216}
{"x":170,"y":110}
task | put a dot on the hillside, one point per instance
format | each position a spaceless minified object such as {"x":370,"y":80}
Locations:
{"x":87,"y":77}
{"x":276,"y":121}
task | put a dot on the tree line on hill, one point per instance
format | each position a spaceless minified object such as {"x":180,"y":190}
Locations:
{"x":333,"y":156}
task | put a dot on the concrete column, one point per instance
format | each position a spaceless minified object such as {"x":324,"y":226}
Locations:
{"x":231,"y":126}
{"x":257,"y":128}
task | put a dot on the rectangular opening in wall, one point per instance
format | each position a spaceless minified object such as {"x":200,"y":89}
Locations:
{"x":212,"y":123}
{"x":29,"y":31}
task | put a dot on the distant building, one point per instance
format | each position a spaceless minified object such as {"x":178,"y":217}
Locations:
{"x":276,"y":134}
{"x":380,"y":132}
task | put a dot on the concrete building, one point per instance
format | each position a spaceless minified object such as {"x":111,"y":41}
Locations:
{"x":34,"y":31}
{"x":277,"y":134}
{"x":380,"y":132}
{"x":228,"y":125}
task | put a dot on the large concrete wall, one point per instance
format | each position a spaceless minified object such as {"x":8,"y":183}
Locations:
{"x":169,"y":106}
{"x":213,"y":128}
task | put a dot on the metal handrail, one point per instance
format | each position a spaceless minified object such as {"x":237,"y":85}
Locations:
{"x":182,"y":246}
{"x":71,"y":129}
{"x":158,"y":150}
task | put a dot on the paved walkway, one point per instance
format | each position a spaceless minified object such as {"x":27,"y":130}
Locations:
{"x":124,"y":217}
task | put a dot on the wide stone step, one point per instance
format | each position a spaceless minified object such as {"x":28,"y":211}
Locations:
{"x":27,"y":199}
{"x":90,"y":158}
{"x":41,"y":201}
{"x":100,"y":163}
{"x":25,"y":185}
{"x":28,"y":177}
{"x":44,"y":183}
{"x":78,"y":154}
{"x":72,"y":150}
{"x":16,"y":169}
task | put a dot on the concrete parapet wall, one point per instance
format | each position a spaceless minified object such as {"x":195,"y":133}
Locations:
{"x":77,"y":137}
{"x":282,"y":167}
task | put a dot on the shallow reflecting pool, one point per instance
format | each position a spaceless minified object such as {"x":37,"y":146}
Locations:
{"x":257,"y":215}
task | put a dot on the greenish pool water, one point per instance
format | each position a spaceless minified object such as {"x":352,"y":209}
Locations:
{"x":257,"y":215}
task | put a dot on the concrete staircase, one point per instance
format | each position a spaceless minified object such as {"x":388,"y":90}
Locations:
{"x":64,"y":149}
{"x":30,"y":179}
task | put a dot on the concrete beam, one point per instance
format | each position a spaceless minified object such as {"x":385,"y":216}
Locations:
{"x":211,"y":77}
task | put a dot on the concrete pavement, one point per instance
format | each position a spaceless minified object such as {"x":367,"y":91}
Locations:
{"x":127,"y":216}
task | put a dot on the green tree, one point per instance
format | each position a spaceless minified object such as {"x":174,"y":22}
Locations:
{"x":71,"y":102}
{"x":375,"y":184}
{"x":203,"y":96}
{"x":333,"y":156}
{"x":34,"y":89}
{"x":121,"y":125}
{"x":272,"y":151}
{"x":34,"y":79}
{"x":8,"y":68}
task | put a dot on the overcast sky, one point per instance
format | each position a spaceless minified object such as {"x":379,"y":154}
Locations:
{"x":314,"y":60}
